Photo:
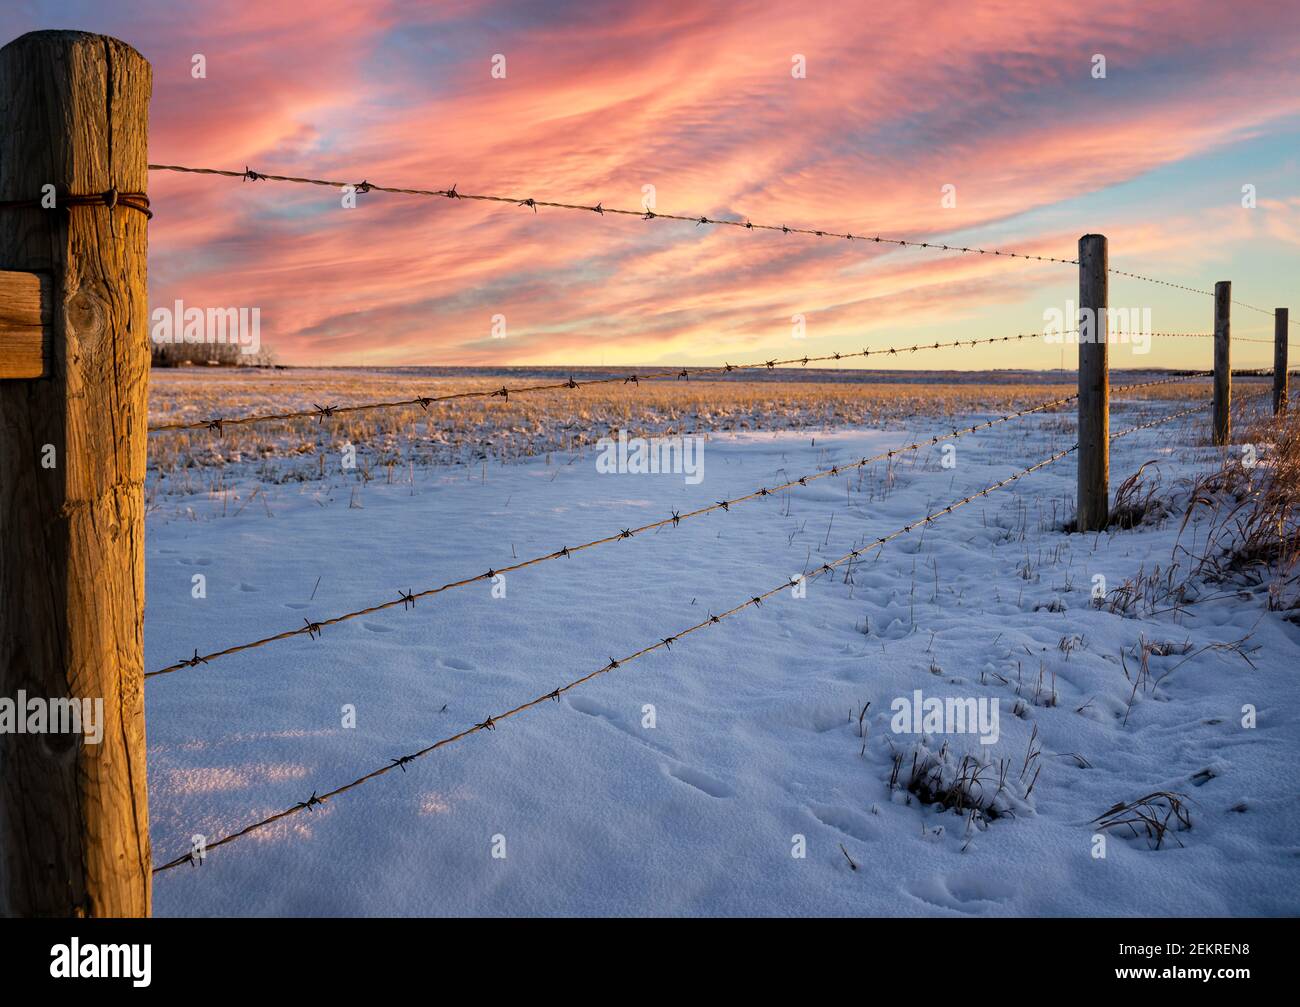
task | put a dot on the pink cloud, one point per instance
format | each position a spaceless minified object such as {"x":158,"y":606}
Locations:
{"x":697,"y":100}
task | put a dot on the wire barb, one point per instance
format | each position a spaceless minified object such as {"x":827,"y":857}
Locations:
{"x":310,"y":803}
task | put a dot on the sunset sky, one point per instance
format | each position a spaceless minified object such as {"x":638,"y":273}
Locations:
{"x":698,"y":99}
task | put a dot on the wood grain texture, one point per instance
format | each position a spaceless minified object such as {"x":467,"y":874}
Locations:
{"x":1222,"y":362}
{"x":1281,"y":331}
{"x":1094,"y":387}
{"x":24,"y":324}
{"x":74,"y":824}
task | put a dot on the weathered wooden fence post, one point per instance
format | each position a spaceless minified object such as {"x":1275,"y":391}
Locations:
{"x":1094,"y":385}
{"x":1281,"y":319}
{"x":1222,"y":363}
{"x":74,"y":821}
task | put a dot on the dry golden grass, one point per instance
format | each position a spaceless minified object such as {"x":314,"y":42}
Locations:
{"x":1253,"y":506}
{"x":539,"y":422}
{"x":532,"y":423}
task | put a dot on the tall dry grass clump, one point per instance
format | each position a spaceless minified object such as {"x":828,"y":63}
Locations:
{"x":1253,"y":503}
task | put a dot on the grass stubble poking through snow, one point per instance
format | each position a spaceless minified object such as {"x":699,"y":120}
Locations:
{"x":1124,"y":700}
{"x":471,"y":431}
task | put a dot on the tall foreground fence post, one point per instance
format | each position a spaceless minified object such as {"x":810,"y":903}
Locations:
{"x":1094,"y":385}
{"x":1222,"y":363}
{"x":1281,"y":319}
{"x":74,"y":821}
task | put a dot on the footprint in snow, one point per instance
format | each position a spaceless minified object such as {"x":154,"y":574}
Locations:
{"x":591,"y":708}
{"x":851,"y":823}
{"x":700,"y":781}
{"x":960,"y":893}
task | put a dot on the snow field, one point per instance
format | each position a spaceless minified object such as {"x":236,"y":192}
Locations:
{"x":756,"y":738}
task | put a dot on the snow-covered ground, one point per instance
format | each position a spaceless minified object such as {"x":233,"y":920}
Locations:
{"x":757,"y":732}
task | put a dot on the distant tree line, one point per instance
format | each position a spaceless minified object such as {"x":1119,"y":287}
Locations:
{"x":208,"y":355}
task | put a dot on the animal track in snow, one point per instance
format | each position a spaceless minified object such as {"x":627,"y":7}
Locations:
{"x":845,"y":820}
{"x":455,"y":664}
{"x":700,"y":781}
{"x":588,"y":706}
{"x":961,"y":893}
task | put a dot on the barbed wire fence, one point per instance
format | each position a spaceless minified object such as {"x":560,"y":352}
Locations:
{"x":647,"y":213}
{"x":407,"y":600}
{"x":700,"y":219}
{"x":753,"y":600}
{"x":51,"y":72}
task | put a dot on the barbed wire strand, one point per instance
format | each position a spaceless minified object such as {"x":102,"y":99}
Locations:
{"x":1195,"y":290}
{"x":1239,"y":401}
{"x":1158,"y":381}
{"x":319,"y":412}
{"x":602,"y":210}
{"x":1167,"y":418}
{"x":1234,"y":339}
{"x":1256,"y":372}
{"x":534,"y":204}
{"x":1263,"y":311}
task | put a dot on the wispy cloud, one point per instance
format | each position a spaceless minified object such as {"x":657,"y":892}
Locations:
{"x":698,"y":100}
